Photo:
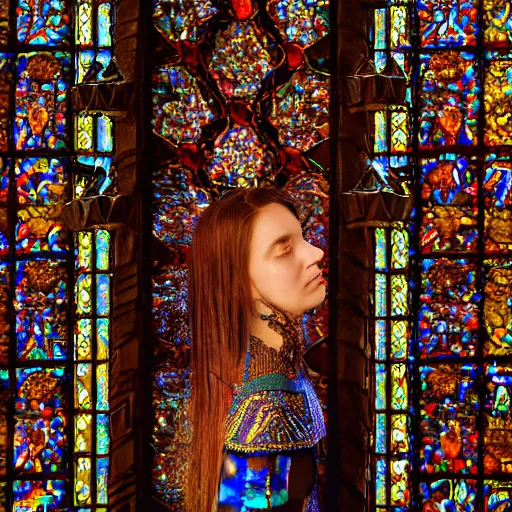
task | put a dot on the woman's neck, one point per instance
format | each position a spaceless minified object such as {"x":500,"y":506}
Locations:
{"x":273,"y":324}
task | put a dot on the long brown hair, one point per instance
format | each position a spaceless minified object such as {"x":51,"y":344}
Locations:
{"x":220,"y":312}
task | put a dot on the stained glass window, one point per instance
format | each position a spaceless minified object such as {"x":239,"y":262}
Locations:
{"x":94,"y":147}
{"x":93,"y":39}
{"x":457,"y":370}
{"x":391,"y":335}
{"x":35,"y":275}
{"x":251,"y":110}
{"x":93,"y":296}
{"x":42,"y":424}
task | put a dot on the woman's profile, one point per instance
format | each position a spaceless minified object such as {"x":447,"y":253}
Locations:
{"x":255,"y":417}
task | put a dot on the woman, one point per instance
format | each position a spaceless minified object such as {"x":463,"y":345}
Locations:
{"x":255,"y":416}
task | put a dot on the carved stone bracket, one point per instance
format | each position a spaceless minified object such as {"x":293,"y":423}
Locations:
{"x":366,"y":89}
{"x":375,"y":202}
{"x":111,"y":98}
{"x":109,"y":212}
{"x":374,"y":208}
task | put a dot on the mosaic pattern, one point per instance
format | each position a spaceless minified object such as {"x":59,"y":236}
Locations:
{"x":228,"y":119}
{"x":242,"y":58}
{"x":182,"y":20}
{"x":43,"y":23}
{"x":301,"y":22}
{"x":449,"y":102}
{"x":460,"y":247}
{"x":41,"y":101}
{"x":300,"y":111}
{"x":38,"y":452}
{"x":179,"y":110}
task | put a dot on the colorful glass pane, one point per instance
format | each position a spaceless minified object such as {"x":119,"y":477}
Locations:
{"x":4,"y":313}
{"x":300,"y":21}
{"x":449,"y":180}
{"x":399,"y":434}
{"x":83,"y":481}
{"x":399,"y":387}
{"x":182,"y":20}
{"x":380,"y":433}
{"x":83,"y":23}
{"x":84,"y":137}
{"x":449,"y":103}
{"x":179,"y":110}
{"x":42,"y":23}
{"x":102,"y":338}
{"x":380,"y":386}
{"x":101,"y":481}
{"x":399,"y":248}
{"x":41,"y":101}
{"x":83,"y":294}
{"x":399,"y":339}
{"x":497,"y":420}
{"x":91,"y":65}
{"x":104,"y":136}
{"x":380,"y":249}
{"x":41,"y":193}
{"x":381,"y":132}
{"x":102,"y":434}
{"x":102,"y":387}
{"x":5,"y":96}
{"x":83,"y":386}
{"x":497,"y":495}
{"x":243,"y":56}
{"x":83,"y":433}
{"x":449,"y":411}
{"x":448,"y":24}
{"x":400,"y":136}
{"x":102,"y":294}
{"x":40,"y":436}
{"x":40,"y":304}
{"x":83,"y":250}
{"x":399,"y":27}
{"x":83,"y":339}
{"x":497,"y":100}
{"x":104,"y":18}
{"x":38,"y":495}
{"x":399,"y":295}
{"x":380,"y":340}
{"x":239,"y":157}
{"x":380,"y":295}
{"x":498,"y":309}
{"x":400,"y":491}
{"x":497,"y":191}
{"x":497,"y":24}
{"x":102,"y":249}
{"x":5,"y":403}
{"x":380,"y":482}
{"x":300,"y":111}
{"x":4,"y":25}
{"x":448,"y":318}
{"x":457,"y":495}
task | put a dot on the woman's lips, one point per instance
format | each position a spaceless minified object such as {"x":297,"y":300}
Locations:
{"x":318,"y":279}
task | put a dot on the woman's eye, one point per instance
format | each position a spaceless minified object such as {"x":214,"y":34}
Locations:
{"x":288,"y":251}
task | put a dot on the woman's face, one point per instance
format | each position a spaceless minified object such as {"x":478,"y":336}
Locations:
{"x":282,"y":264}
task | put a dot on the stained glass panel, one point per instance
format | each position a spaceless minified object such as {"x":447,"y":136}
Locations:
{"x":447,"y":24}
{"x":242,"y":78}
{"x":449,"y":101}
{"x":497,"y":192}
{"x":43,"y":23}
{"x":40,"y":305}
{"x":92,"y":347}
{"x":41,"y":101}
{"x":258,"y":116}
{"x":6,"y":61}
